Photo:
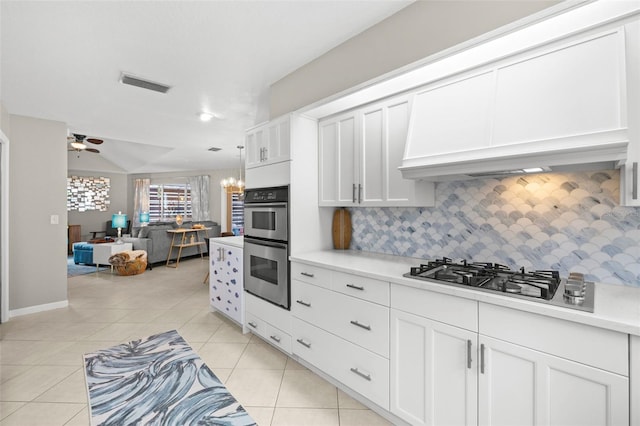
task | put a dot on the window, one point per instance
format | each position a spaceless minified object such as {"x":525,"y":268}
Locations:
{"x":168,"y":200}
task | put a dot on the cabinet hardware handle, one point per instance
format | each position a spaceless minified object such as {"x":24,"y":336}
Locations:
{"x":266,"y":156}
{"x":356,"y":323}
{"x":482,"y":358}
{"x":355,"y":287}
{"x":253,"y":324}
{"x":634,"y":191}
{"x":303,"y":343}
{"x":306,"y":274}
{"x":354,"y":193}
{"x":303,"y":303}
{"x":359,"y":193}
{"x":359,"y":373}
{"x":469,"y":353}
{"x":275,"y":338}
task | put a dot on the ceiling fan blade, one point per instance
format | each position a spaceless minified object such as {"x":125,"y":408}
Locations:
{"x":95,"y":141}
{"x":92,"y":150}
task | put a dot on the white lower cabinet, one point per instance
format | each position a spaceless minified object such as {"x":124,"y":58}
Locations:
{"x":521,"y":386}
{"x":268,"y":321}
{"x":357,"y":368}
{"x":433,"y":371}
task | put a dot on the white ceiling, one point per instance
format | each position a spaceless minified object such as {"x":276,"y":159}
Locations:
{"x":61,"y":60}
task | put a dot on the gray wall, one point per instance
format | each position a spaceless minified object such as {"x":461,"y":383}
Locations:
{"x":415,"y":32}
{"x":38,"y":170}
{"x":94,"y":220}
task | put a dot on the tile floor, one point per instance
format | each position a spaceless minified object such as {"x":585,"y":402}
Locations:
{"x":41,"y":369}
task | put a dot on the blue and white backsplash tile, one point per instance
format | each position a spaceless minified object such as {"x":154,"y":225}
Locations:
{"x":571,"y":222}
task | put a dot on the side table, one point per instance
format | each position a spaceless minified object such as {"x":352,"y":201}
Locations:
{"x":195,"y":240}
{"x":102,"y":252}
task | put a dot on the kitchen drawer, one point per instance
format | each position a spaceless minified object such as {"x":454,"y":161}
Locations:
{"x":364,"y":323}
{"x":255,"y":324}
{"x":364,"y":288}
{"x":597,"y":347}
{"x":278,"y":338}
{"x":355,"y":367}
{"x":451,"y":310}
{"x":311,"y":274}
{"x":270,"y":313}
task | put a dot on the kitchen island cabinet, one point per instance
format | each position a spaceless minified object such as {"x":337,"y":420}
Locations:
{"x":226,"y":289}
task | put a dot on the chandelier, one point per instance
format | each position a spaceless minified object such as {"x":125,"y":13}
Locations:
{"x":231,"y":184}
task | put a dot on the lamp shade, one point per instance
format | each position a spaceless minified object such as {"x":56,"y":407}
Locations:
{"x":119,"y":220}
{"x":144,"y":217}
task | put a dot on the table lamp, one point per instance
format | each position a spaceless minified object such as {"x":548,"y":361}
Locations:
{"x":119,"y":221}
{"x":144,"y":218}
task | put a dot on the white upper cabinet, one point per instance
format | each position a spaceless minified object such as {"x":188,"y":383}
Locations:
{"x":359,"y":155}
{"x":269,"y":143}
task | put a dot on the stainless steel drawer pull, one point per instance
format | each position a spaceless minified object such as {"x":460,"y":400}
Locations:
{"x":253,"y":324}
{"x":303,"y":343}
{"x":303,"y":303}
{"x":359,"y":373}
{"x":306,"y":274}
{"x":469,"y":354}
{"x":634,"y":185}
{"x":275,"y":338}
{"x":356,"y":323}
{"x":482,"y":358}
{"x":355,"y":287}
{"x":354,"y":193}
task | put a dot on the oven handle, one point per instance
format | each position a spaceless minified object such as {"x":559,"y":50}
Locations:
{"x":265,"y":243}
{"x":256,"y":205}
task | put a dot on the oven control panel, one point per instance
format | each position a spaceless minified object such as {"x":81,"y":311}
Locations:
{"x":267,"y":195}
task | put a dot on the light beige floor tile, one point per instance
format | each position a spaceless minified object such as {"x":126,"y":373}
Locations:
{"x":119,"y":332}
{"x":255,"y":387}
{"x":361,"y":418}
{"x":142,"y":315}
{"x":72,"y":389}
{"x":294,"y":365}
{"x":222,"y":373}
{"x":305,"y":417}
{"x":262,"y":356}
{"x":304,"y":389}
{"x":72,"y":355}
{"x":261,"y":415}
{"x":345,"y":401}
{"x":230,"y":333}
{"x":42,"y":414}
{"x":197,"y":332}
{"x":33,"y":382}
{"x":80,"y":419}
{"x":10,"y":371}
{"x":7,"y":408}
{"x":205,"y":316}
{"x":22,"y":352}
{"x":222,"y":355}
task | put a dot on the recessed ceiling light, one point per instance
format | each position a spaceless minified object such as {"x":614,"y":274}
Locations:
{"x":206,"y":116}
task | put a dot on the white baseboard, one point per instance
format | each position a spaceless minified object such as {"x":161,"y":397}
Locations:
{"x":38,"y":308}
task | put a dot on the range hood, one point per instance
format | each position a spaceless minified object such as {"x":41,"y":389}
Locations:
{"x":586,"y":152}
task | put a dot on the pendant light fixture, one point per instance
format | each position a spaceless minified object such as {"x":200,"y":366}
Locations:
{"x":232,"y":184}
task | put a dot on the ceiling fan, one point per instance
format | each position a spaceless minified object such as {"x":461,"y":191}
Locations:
{"x":77,"y":143}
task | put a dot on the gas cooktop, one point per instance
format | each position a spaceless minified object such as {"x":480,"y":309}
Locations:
{"x":541,"y":286}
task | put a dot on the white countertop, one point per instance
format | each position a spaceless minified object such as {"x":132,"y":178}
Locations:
{"x":616,"y":307}
{"x":229,"y":241}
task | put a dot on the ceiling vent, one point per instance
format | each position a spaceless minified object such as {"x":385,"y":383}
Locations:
{"x":144,"y":84}
{"x":214,"y":149}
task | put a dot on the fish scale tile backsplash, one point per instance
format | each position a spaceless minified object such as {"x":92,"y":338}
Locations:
{"x":570,"y":222}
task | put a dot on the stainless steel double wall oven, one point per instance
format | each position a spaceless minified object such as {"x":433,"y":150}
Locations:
{"x":266,"y":244}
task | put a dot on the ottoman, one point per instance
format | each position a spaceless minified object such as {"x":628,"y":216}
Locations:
{"x":83,"y":253}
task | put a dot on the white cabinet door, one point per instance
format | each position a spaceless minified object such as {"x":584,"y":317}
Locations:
{"x":521,"y":386}
{"x":433,"y":371}
{"x":269,"y":143}
{"x":360,"y":153}
{"x":226,"y":292}
{"x":337,"y":145}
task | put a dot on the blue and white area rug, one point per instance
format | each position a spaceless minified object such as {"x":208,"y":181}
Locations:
{"x":159,"y":380}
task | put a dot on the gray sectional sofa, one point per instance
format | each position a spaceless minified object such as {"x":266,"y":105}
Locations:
{"x":155,"y":240}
